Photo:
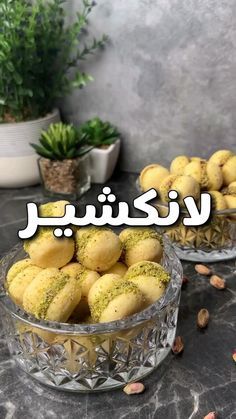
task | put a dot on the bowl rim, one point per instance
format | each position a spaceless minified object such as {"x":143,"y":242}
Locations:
{"x":158,"y":202}
{"x":172,"y":292}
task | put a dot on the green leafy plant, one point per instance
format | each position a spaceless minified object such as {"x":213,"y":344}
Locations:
{"x":99,"y":133}
{"x":39,"y":55}
{"x":60,"y":142}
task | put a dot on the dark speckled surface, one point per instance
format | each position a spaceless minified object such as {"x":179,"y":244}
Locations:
{"x":185,"y":387}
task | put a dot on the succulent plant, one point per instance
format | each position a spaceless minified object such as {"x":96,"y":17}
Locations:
{"x":99,"y":133}
{"x":62,"y":141}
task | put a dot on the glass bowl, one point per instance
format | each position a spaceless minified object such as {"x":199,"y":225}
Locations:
{"x":93,"y":357}
{"x":213,"y":242}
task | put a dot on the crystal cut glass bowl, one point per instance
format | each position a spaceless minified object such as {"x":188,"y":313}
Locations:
{"x":93,"y":357}
{"x":212,"y":242}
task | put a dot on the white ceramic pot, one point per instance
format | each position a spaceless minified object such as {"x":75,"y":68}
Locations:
{"x":18,"y":161}
{"x":103,"y":162}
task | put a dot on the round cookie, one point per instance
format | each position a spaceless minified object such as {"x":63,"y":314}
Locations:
{"x":218,"y":201}
{"x":52,"y":295}
{"x":220,"y":157}
{"x":121,"y":301}
{"x":232,"y":188}
{"x":53,"y":209}
{"x":184,"y":185}
{"x":151,"y":278}
{"x":119,"y":269}
{"x":178,"y":164}
{"x":98,"y":249}
{"x":17,"y":268}
{"x":48,"y":251}
{"x":45,"y":249}
{"x":141,"y":244}
{"x":207,"y":174}
{"x":85,"y":279}
{"x":19,"y":277}
{"x":229,"y":170}
{"x":226,"y":160}
{"x":152,"y":176}
{"x":102,"y":285}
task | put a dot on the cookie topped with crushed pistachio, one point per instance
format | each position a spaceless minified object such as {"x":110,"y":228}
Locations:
{"x":97,"y":249}
{"x":206,"y":173}
{"x":185,"y":186}
{"x":46,"y":250}
{"x":19,"y":277}
{"x":150,"y":277}
{"x":85,"y":279}
{"x":122,"y":300}
{"x":141,"y":244}
{"x":52,"y":295}
{"x":152,"y":176}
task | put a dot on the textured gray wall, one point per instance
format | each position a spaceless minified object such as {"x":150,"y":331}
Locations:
{"x":167,"y":79}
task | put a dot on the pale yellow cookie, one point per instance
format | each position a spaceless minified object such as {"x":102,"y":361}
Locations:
{"x":226,"y":160}
{"x":102,"y":285}
{"x":52,"y":295}
{"x":98,"y":249}
{"x":141,"y":244}
{"x":46,"y":250}
{"x":178,"y":164}
{"x":151,"y":278}
{"x":184,"y":185}
{"x":119,"y":269}
{"x":119,"y":302}
{"x":19,"y":277}
{"x":218,"y":201}
{"x":85,"y":278}
{"x":207,"y":174}
{"x":152,"y":176}
{"x":53,"y":209}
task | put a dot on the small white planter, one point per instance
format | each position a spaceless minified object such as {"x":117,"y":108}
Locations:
{"x":18,"y":161}
{"x":103,"y":162}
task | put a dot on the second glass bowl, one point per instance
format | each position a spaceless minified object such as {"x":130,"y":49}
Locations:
{"x":213,"y":242}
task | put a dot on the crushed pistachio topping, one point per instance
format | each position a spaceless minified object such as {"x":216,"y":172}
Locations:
{"x":138,"y":235}
{"x":46,"y":210}
{"x":17,"y":269}
{"x":50,"y":294}
{"x":167,"y":185}
{"x":102,"y":301}
{"x":82,"y":240}
{"x":42,"y":233}
{"x":204,"y":180}
{"x":81,"y":276}
{"x":148,"y":269}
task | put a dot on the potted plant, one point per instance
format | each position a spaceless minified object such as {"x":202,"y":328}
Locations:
{"x":39,"y":53}
{"x":64,"y":161}
{"x":104,"y":138}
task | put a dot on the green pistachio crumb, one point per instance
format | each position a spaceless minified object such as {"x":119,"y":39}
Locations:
{"x":18,"y":270}
{"x":148,"y":269}
{"x":102,"y":301}
{"x":138,"y":235}
{"x":82,"y":241}
{"x":50,"y":294}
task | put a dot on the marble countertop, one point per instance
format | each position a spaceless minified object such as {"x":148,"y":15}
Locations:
{"x":201,"y":380}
